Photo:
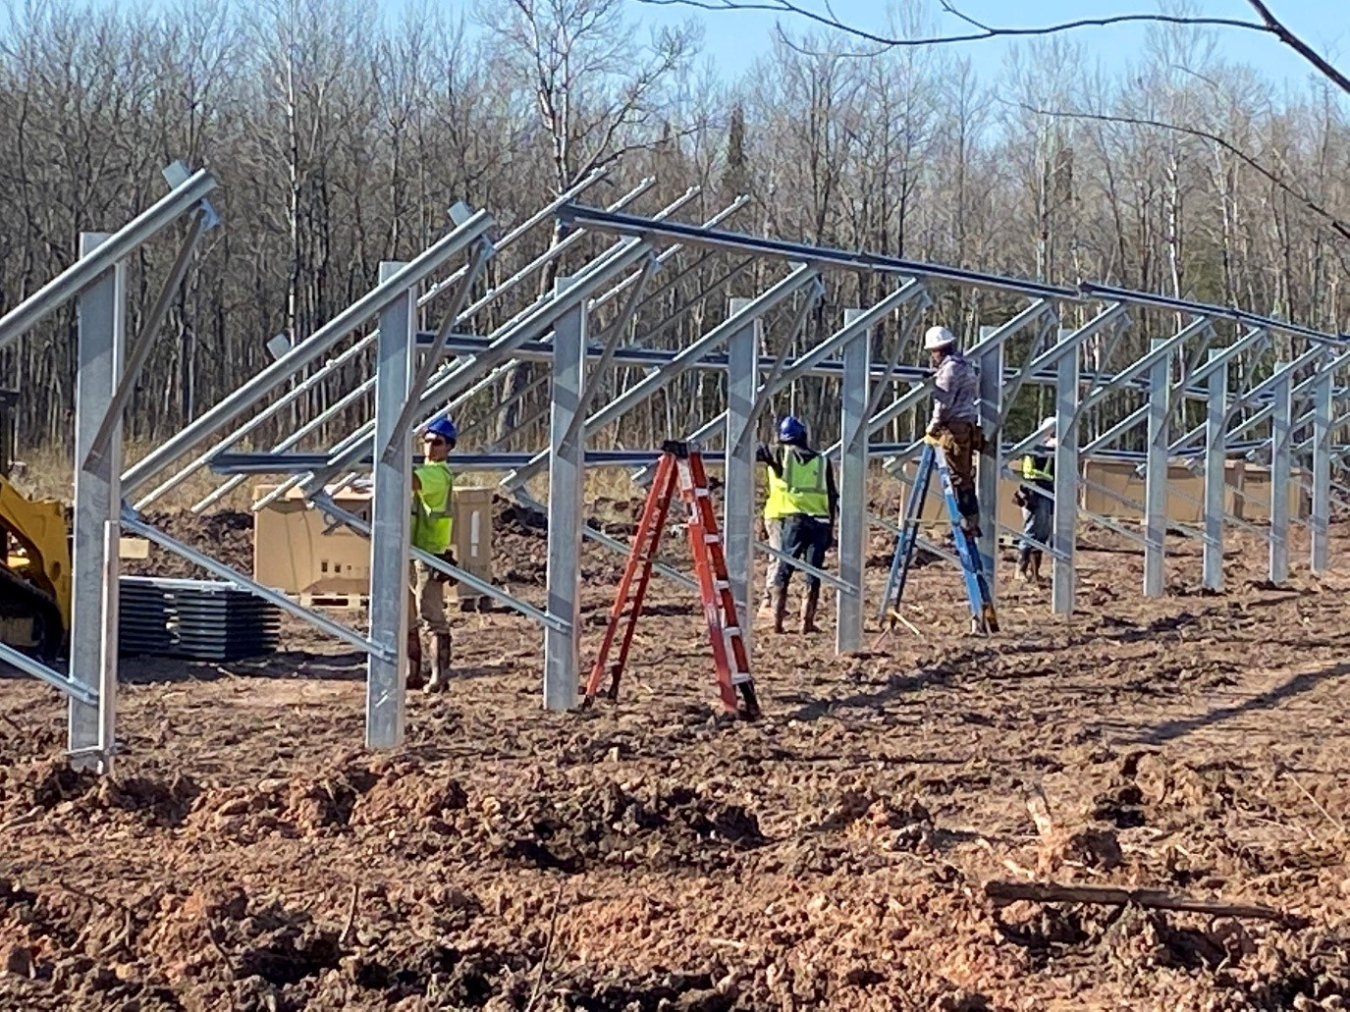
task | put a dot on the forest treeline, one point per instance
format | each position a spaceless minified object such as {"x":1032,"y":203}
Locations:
{"x":340,"y":137}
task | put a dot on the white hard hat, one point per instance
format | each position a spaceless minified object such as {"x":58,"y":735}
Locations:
{"x":938,"y":337}
{"x":1048,"y":424}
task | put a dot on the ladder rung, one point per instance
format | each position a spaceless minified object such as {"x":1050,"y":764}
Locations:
{"x":740,"y":677}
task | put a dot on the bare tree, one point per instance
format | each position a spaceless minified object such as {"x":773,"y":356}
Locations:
{"x":597,"y":93}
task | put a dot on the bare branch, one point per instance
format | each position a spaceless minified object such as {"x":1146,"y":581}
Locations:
{"x":984,"y":32}
{"x":1277,"y":28}
{"x":1339,"y":225}
{"x":1268,"y":25}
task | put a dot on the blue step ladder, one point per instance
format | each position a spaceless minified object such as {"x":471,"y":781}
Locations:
{"x":984,"y":619}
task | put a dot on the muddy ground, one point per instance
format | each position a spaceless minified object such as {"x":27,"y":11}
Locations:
{"x":249,"y":855}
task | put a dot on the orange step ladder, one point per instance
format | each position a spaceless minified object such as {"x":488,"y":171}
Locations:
{"x":680,"y":468}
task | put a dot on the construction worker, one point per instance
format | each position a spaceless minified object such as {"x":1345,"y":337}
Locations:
{"x":802,"y":495}
{"x":432,"y":531}
{"x":954,"y":426}
{"x":1035,"y":496}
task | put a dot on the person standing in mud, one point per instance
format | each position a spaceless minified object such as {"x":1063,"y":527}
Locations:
{"x":433,"y":486}
{"x":1036,"y":497}
{"x":804,"y":499}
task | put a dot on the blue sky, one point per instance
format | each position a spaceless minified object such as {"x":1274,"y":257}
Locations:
{"x":732,"y":39}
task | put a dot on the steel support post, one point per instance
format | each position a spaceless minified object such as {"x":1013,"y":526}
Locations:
{"x":1281,"y":424}
{"x":1216,"y":460}
{"x":853,"y":442}
{"x":562,"y":649}
{"x":1155,"y":475}
{"x":1066,"y":474}
{"x":93,"y":625}
{"x":738,"y":503}
{"x":390,"y":508}
{"x":1321,"y":471}
{"x":990,"y":364}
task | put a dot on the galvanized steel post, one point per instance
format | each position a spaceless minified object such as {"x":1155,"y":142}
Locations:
{"x":1066,"y":478}
{"x":1155,"y":476}
{"x":562,"y":648}
{"x":390,"y":543}
{"x":1321,"y":471}
{"x":1280,"y":426}
{"x":852,"y":533}
{"x":98,"y":499}
{"x":991,"y":464}
{"x":1216,"y":460}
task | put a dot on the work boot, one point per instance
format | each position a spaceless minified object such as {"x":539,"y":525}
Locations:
{"x":779,"y":608}
{"x":440,"y":670}
{"x":415,"y":678}
{"x":809,"y":610}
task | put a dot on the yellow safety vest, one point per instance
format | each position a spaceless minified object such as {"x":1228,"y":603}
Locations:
{"x":800,"y":489}
{"x":1032,"y":473}
{"x":433,"y":508}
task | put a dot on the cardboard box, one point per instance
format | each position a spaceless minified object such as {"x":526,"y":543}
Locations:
{"x":1246,"y":492}
{"x":1112,"y":489}
{"x":292,"y":552}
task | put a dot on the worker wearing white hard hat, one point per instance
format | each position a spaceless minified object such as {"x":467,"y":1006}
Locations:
{"x":954,"y":426}
{"x":938,"y":337}
{"x":1036,"y":497}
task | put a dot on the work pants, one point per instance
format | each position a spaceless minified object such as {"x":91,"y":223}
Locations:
{"x":806,"y":538}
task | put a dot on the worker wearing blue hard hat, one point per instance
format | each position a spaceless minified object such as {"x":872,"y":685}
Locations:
{"x":803,"y":502}
{"x":433,"y":532}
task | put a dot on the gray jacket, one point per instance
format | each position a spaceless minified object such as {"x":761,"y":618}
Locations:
{"x":955,"y":390}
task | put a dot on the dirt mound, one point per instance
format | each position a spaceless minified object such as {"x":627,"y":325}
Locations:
{"x":226,"y":536}
{"x":658,"y":826}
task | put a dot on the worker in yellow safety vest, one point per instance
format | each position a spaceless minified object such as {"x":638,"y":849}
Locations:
{"x":1036,"y":497}
{"x":433,"y":532}
{"x":804,"y":500}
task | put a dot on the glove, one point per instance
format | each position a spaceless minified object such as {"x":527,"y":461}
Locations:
{"x":441,"y":577}
{"x":930,"y":438}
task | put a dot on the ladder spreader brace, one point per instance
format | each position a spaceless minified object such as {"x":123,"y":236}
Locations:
{"x":680,"y":468}
{"x":984,"y":619}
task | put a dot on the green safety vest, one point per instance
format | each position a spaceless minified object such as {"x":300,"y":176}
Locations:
{"x":433,"y":508}
{"x":800,"y":489}
{"x":1031,"y":472}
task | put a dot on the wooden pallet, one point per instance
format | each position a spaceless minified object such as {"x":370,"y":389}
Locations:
{"x":328,"y":599}
{"x":361,"y":602}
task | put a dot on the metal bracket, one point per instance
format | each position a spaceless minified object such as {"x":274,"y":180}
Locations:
{"x":176,"y":175}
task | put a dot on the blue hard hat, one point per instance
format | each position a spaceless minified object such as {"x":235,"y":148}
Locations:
{"x":791,"y":429}
{"x":444,"y":428}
